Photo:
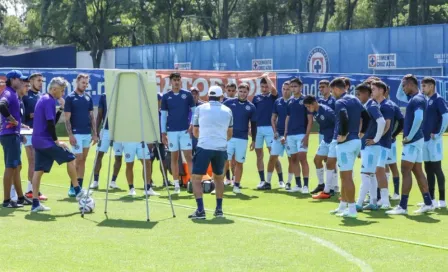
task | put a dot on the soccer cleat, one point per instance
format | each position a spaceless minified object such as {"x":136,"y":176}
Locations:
{"x":132,"y":192}
{"x":305,"y":190}
{"x":318,"y":189}
{"x":359,"y":208}
{"x":113,"y":185}
{"x":385,"y":207}
{"x":434,"y":203}
{"x":151,"y":192}
{"x":398,"y":210}
{"x":169,"y":183}
{"x":347,"y":214}
{"x":42,"y":197}
{"x":281,"y":185}
{"x":94,"y":185}
{"x":425,"y":209}
{"x":266,"y":186}
{"x":236,"y":190}
{"x":83,"y":194}
{"x":261,"y":184}
{"x":288,"y":186}
{"x":29,"y":194}
{"x":322,"y":195}
{"x":40,"y":208}
{"x":25,"y":202}
{"x":197,"y":215}
{"x":12,"y":204}
{"x":227,"y":182}
{"x":176,"y":190}
{"x":71,"y":192}
{"x":370,"y":207}
{"x":442,"y":204}
{"x":336,"y":211}
{"x":218,"y":213}
{"x":379,"y":202}
{"x":395,"y":197}
{"x":295,"y":189}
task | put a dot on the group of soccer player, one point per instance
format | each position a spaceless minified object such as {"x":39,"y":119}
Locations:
{"x":365,"y":126}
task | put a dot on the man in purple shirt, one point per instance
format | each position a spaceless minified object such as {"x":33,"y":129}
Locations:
{"x":10,"y":137}
{"x":46,"y":144}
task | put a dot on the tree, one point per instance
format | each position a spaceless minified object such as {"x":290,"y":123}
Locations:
{"x":329,"y":11}
{"x":413,"y":12}
{"x":313,"y":7}
{"x":350,"y":9}
{"x":215,"y":16}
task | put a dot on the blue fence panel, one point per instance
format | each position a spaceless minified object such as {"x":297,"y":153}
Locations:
{"x":245,"y":53}
{"x":285,"y":52}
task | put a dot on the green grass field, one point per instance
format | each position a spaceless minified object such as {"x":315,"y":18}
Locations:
{"x":262,"y":231}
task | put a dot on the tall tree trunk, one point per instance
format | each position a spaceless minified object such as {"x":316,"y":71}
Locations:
{"x":265,"y":23}
{"x":413,"y":12}
{"x":350,"y":9}
{"x":425,"y":11}
{"x":299,"y":8}
{"x":224,"y":28}
{"x":329,"y":10}
{"x":314,"y":6}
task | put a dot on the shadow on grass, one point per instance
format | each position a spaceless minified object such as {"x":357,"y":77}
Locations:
{"x":328,"y":200}
{"x":4,"y":212}
{"x":239,"y":196}
{"x":46,"y":217}
{"x":377,"y":214}
{"x":354,"y":222}
{"x":183,"y":195}
{"x":423,"y":218}
{"x":68,"y":199}
{"x":441,"y":211}
{"x":214,"y":221}
{"x":111,"y":191}
{"x":127,"y":224}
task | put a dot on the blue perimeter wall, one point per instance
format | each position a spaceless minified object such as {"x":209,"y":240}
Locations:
{"x":310,"y":80}
{"x":344,"y":52}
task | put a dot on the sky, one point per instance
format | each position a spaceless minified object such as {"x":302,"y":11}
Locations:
{"x":16,"y":10}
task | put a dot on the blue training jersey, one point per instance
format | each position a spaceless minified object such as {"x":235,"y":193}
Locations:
{"x":397,"y":116}
{"x":281,"y":109}
{"x":264,"y":105}
{"x":416,"y":102}
{"x":433,"y":117}
{"x":330,"y":102}
{"x":326,"y":119}
{"x":354,"y":108}
{"x":178,"y":105}
{"x":298,"y":116}
{"x":243,"y":113}
{"x":388,"y":112}
{"x":80,"y":107}
{"x":29,"y":102}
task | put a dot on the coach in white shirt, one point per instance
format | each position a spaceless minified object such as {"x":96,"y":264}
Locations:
{"x":213,"y":124}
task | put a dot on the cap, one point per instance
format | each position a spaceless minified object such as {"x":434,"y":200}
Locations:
{"x":16,"y":74}
{"x":193,"y":89}
{"x":215,"y":91}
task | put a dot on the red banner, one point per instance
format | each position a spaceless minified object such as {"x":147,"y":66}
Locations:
{"x":204,"y":79}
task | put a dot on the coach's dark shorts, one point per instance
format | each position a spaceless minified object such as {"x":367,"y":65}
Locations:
{"x":203,"y":157}
{"x":44,"y":158}
{"x":11,"y":150}
{"x":155,"y":155}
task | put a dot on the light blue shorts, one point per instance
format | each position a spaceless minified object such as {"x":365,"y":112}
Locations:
{"x":347,"y":154}
{"x":132,"y":149}
{"x":324,"y":149}
{"x":264,"y":134}
{"x":392,"y":156}
{"x":294,"y":144}
{"x":321,"y":138}
{"x":413,"y":152}
{"x":105,"y":143}
{"x":384,"y":154}
{"x":369,"y":158}
{"x":179,"y":140}
{"x":28,"y":140}
{"x":433,"y":150}
{"x":237,"y":147}
{"x":277,"y":149}
{"x":82,"y":142}
{"x":332,"y":151}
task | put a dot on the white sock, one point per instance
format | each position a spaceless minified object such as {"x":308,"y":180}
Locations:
{"x":335,"y":179}
{"x":342,"y":205}
{"x":385,"y":196}
{"x":290,"y":177}
{"x":30,"y":187}
{"x":352,"y":208}
{"x":13,"y":193}
{"x":176,"y":183}
{"x":373,"y":187}
{"x":364,"y":188}
{"x":269,"y":177}
{"x":329,"y":184}
{"x":320,"y":175}
{"x":388,"y":177}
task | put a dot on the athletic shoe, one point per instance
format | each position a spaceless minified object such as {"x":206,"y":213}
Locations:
{"x":336,"y":211}
{"x":442,"y":204}
{"x":71,"y":192}
{"x":236,"y":190}
{"x":322,"y":195}
{"x":347,"y":214}
{"x":218,"y":213}
{"x":132,"y":192}
{"x":332,"y":193}
{"x":227,"y":182}
{"x":213,"y":192}
{"x":113,"y":185}
{"x":359,"y":208}
{"x":261,"y":185}
{"x":370,"y":207}
{"x":336,"y":189}
{"x":151,"y":192}
{"x":398,"y":210}
{"x":40,"y":208}
{"x":12,"y":204}
{"x":434,"y":203}
{"x":305,"y":190}
{"x":379,"y":202}
{"x":395,"y":197}
{"x":29,"y":195}
{"x":288,"y":186}
{"x":385,"y":207}
{"x":83,"y":194}
{"x":25,"y":202}
{"x":197,"y":215}
{"x":281,"y":185}
{"x":176,"y":190}
{"x":42,"y":197}
{"x":318,"y":189}
{"x":425,"y":209}
{"x":265,"y":186}
{"x":295,"y":189}
{"x":94,"y":185}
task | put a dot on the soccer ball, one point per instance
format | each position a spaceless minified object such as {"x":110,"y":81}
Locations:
{"x":87,"y":203}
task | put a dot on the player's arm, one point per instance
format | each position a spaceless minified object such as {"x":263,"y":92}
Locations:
{"x":25,"y":105}
{"x":195,"y":122}
{"x":230,"y":128}
{"x":443,"y":110}
{"x":418,"y":119}
{"x":343,"y":125}
{"x":387,"y":126}
{"x":380,"y":125}
{"x":365,"y":119}
{"x":308,"y":130}
{"x":274,"y":124}
{"x":286,"y":126}
{"x":271,"y":84}
{"x":68,"y":115}
{"x":93,"y":127}
{"x":401,"y":95}
{"x":99,"y":119}
{"x":398,"y":128}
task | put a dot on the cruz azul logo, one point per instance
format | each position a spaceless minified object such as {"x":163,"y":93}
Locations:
{"x":318,"y":61}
